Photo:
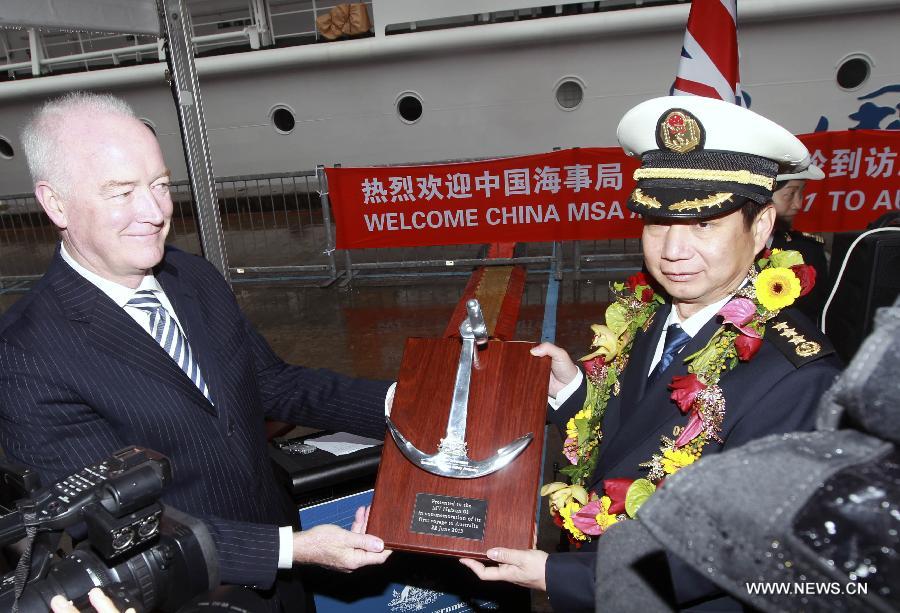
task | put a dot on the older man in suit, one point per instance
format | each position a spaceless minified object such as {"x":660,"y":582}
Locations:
{"x":704,"y":187}
{"x":126,"y":341}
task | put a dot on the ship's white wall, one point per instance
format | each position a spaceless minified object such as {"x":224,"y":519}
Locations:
{"x":493,"y":100}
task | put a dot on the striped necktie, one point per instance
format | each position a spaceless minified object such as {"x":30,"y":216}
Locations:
{"x":169,"y":336}
{"x":676,"y":338}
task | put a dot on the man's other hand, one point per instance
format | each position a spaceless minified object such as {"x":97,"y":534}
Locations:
{"x":562,"y":368}
{"x":339,"y":549}
{"x":100,"y":601}
{"x":523,"y":567}
{"x":361,"y":520}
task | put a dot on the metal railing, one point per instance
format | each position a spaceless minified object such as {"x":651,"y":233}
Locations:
{"x":41,"y":52}
{"x":263,"y":23}
{"x":278,"y":226}
{"x":273,"y":225}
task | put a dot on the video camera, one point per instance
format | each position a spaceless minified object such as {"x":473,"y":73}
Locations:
{"x":143,"y":555}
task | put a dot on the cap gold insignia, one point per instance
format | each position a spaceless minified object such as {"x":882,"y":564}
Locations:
{"x":648,"y":201}
{"x":679,"y":132}
{"x":701,"y":203}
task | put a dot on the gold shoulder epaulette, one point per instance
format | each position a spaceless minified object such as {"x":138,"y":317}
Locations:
{"x":814,"y":237}
{"x":799,"y":341}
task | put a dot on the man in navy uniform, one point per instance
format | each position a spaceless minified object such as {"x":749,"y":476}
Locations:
{"x":125,"y":341}
{"x":704,"y":190}
{"x":787,"y":199}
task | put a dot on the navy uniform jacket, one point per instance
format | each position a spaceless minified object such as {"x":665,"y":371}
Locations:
{"x":80,"y":379}
{"x":812,"y":248}
{"x":777,"y":391}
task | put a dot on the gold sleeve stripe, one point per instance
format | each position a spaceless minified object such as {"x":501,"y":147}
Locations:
{"x":744,"y":177}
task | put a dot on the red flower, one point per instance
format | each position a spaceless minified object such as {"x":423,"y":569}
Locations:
{"x":766,"y":253}
{"x":747,"y":346}
{"x":807,"y":276}
{"x":616,"y":489}
{"x":685,"y":389}
{"x":638,"y":278}
{"x":594,"y":365}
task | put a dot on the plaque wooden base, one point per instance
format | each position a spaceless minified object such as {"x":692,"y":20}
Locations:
{"x":415,"y":510}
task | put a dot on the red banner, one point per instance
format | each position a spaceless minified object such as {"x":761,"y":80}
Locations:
{"x":577,"y":194}
{"x":862,"y":179}
{"x":574,"y":194}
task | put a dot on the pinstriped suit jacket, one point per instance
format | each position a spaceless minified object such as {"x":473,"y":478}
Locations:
{"x":79,"y":379}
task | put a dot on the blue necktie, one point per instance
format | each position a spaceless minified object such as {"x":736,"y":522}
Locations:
{"x":165,"y":330}
{"x":676,"y":338}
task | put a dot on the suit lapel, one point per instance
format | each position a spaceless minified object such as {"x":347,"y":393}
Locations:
{"x":632,"y":383}
{"x":645,"y":420}
{"x":184,"y":300}
{"x":111,"y":330}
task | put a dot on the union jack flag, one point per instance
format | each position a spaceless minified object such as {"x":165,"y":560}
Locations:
{"x":709,"y":55}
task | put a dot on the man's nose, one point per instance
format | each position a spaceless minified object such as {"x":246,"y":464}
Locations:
{"x":676,"y":245}
{"x":150,"y":208}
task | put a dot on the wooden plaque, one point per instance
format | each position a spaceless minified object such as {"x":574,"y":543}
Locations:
{"x":415,"y":510}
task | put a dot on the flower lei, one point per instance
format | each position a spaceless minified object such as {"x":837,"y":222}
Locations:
{"x":782,"y":278}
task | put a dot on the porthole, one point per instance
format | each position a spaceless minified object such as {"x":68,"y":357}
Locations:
{"x":149,"y":125}
{"x":853,"y":71}
{"x":283,"y":119}
{"x":409,"y":107}
{"x":569,"y":94}
{"x":6,"y":149}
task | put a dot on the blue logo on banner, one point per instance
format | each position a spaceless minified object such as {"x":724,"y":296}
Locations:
{"x":873,"y":115}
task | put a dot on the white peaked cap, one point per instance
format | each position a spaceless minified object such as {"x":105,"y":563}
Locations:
{"x":810,"y":173}
{"x":727,"y":127}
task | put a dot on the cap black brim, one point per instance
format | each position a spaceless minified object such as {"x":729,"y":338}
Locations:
{"x":686,"y":203}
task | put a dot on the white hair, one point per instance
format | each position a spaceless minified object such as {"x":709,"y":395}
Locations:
{"x":47,"y":161}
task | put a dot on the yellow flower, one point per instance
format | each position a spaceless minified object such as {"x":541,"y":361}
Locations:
{"x":604,"y":518}
{"x":675,"y":459}
{"x":571,"y":430}
{"x":777,"y":288}
{"x":566,"y":513}
{"x":606,"y":341}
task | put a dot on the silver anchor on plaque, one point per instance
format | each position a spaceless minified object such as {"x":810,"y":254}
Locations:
{"x":452,"y":458}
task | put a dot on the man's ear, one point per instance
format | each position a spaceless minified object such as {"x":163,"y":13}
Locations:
{"x":52,"y":203}
{"x":763,"y":226}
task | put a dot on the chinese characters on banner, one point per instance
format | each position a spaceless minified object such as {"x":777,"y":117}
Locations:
{"x":577,"y":194}
{"x":862,"y":180}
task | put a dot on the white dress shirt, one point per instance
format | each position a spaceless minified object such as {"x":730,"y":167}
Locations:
{"x":121,"y":294}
